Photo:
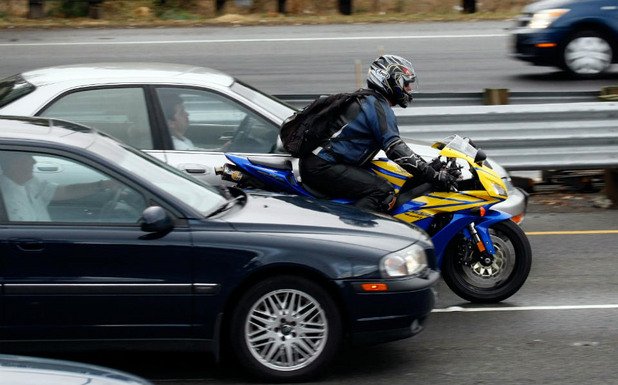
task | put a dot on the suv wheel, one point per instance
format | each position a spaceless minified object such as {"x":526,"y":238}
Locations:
{"x":586,"y":54}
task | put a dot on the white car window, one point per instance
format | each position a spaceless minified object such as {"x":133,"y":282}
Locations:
{"x":43,"y":188}
{"x":119,"y":112}
{"x":202,"y":120}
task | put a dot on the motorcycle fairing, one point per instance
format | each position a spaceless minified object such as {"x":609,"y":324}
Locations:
{"x":397,"y":176}
{"x":390,"y":171}
{"x":431,"y":204}
{"x":489,"y":180}
{"x":460,"y":222}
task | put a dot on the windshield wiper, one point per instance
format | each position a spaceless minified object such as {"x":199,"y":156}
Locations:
{"x":227,"y":205}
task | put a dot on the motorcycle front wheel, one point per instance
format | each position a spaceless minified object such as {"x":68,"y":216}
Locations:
{"x":476,"y":282}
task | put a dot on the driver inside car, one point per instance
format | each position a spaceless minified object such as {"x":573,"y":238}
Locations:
{"x":177,"y":119}
{"x":26,"y":196}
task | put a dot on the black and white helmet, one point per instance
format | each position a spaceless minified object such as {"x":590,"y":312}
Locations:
{"x":390,"y":75}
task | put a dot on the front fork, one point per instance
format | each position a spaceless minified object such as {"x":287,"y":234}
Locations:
{"x":475,"y":229}
{"x":482,"y":242}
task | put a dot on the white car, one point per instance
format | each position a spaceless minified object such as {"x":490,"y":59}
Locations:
{"x":22,"y":370}
{"x":123,"y":100}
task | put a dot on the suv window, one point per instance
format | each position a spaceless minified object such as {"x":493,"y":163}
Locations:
{"x":13,"y":88}
{"x":119,"y":112}
{"x":203,"y":120}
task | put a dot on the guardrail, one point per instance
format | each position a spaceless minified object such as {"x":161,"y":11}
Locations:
{"x":546,"y":131}
{"x":526,"y":137}
{"x":472,"y":98}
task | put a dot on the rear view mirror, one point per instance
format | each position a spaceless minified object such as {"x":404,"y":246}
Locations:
{"x":480,"y":157}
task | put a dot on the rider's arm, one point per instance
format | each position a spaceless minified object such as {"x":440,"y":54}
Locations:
{"x":400,"y":153}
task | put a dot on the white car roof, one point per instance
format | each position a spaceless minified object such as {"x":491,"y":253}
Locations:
{"x":137,"y":72}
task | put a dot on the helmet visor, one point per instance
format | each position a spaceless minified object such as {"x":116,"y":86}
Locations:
{"x":406,"y":78}
{"x":408,"y":82}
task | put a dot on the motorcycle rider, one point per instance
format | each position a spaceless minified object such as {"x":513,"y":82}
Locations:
{"x":369,"y":125}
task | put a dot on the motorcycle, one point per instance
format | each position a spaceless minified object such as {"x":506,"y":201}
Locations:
{"x":484,"y":256}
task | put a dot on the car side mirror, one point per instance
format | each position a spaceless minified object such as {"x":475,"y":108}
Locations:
{"x":156,"y":220}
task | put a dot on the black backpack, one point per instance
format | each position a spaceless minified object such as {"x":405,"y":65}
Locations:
{"x":312,"y":126}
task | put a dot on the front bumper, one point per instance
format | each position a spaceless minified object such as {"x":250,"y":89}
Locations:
{"x":398,"y":313}
{"x":526,"y":45}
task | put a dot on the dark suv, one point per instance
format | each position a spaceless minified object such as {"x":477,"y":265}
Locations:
{"x":578,"y":36}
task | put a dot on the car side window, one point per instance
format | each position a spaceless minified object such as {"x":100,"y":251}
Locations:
{"x":119,"y":112}
{"x":207,"y":121}
{"x":44,"y":188}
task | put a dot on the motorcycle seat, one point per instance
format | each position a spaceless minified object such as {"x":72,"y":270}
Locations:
{"x":315,"y":193}
{"x":271,"y":162}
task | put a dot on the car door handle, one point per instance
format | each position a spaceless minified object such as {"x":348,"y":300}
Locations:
{"x":48,"y":168}
{"x":196,"y":170}
{"x":193,"y":168}
{"x":28,"y":244}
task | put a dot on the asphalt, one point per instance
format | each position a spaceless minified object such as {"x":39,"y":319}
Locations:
{"x":561,"y":200}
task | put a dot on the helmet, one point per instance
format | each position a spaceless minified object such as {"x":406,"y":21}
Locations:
{"x":389,"y":75}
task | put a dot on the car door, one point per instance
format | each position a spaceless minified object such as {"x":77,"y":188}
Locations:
{"x":84,"y":269}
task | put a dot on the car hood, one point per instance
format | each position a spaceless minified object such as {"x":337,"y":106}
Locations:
{"x":320,"y":219}
{"x":546,"y":4}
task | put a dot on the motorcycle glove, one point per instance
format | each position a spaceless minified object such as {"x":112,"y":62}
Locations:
{"x":446,"y":180}
{"x":437,"y":164}
{"x":401,"y":154}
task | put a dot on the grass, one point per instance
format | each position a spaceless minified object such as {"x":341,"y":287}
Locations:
{"x":143,"y":13}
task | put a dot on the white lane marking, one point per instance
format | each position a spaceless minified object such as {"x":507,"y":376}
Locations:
{"x":266,"y":40}
{"x":455,"y":309}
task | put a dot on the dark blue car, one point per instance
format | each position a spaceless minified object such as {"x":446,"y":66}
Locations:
{"x":102,"y":245}
{"x":578,"y":36}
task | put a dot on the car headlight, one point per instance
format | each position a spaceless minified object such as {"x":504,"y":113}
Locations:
{"x":543,"y":19}
{"x":408,"y":261}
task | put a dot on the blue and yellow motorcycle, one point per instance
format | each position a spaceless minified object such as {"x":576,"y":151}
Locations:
{"x":484,"y":256}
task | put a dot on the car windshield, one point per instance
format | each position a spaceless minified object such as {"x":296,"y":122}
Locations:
{"x":197,"y":194}
{"x":268,"y":102}
{"x":13,"y":88}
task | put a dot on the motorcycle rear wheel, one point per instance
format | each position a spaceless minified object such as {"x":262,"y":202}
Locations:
{"x":472,"y":281}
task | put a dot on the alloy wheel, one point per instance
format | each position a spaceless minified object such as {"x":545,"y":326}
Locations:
{"x":286,"y":330}
{"x":498,"y":271}
{"x":587,"y":55}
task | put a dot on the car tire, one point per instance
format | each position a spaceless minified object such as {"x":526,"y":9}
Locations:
{"x":586,"y":54}
{"x":286,"y":328}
